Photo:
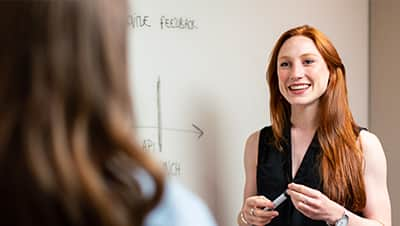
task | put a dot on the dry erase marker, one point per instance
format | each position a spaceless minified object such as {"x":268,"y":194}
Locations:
{"x":278,"y":201}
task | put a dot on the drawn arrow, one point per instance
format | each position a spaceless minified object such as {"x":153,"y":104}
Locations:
{"x":200,"y":131}
{"x":196,"y":130}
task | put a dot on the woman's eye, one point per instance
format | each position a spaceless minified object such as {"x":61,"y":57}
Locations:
{"x":308,"y":62}
{"x":284,"y":64}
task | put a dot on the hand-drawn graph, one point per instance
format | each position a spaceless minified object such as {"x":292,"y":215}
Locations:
{"x":155,"y":145}
{"x":148,"y":144}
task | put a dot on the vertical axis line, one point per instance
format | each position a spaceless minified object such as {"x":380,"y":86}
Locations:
{"x":159,"y":122}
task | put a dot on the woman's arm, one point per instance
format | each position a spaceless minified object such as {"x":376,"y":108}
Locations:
{"x":250,"y":164}
{"x":250,"y":198}
{"x":378,"y":202}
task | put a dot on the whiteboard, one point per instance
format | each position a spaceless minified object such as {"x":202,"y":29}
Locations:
{"x":198,"y":81}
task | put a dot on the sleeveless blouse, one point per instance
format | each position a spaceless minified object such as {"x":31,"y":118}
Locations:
{"x":274,"y":173}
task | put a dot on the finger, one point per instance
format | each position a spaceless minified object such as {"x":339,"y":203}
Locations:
{"x":262,"y":218}
{"x":304,"y":204}
{"x":313,"y":193}
{"x":257,"y":213}
{"x":258,"y":202}
{"x":298,"y":198}
{"x":306,"y":209}
{"x":295,"y":195}
{"x":250,"y":201}
{"x":265,"y":214}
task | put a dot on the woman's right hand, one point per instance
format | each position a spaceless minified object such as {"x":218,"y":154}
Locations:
{"x":254,"y":213}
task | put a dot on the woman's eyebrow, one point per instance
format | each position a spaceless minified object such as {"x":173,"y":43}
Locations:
{"x":309,"y":54}
{"x":302,"y":55}
{"x":284,"y":58}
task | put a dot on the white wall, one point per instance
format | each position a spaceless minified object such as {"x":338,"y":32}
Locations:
{"x":385,"y":78}
{"x":214,"y":76}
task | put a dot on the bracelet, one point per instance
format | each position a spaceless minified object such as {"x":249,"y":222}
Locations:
{"x":243,"y":219}
{"x":380,"y":222}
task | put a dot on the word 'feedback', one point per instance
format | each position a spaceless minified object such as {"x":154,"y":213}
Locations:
{"x":165,"y":23}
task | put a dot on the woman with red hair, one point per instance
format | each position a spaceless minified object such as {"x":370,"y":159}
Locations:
{"x":332,"y":170}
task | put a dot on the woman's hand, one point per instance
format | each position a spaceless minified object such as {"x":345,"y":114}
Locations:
{"x":314,"y":204}
{"x":253,"y":211}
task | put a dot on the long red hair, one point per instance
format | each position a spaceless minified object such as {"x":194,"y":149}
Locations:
{"x":342,"y":158}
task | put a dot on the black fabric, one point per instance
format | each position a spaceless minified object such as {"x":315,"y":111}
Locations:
{"x":274,"y":173}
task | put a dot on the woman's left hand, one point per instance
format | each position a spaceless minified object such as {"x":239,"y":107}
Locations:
{"x":314,"y":204}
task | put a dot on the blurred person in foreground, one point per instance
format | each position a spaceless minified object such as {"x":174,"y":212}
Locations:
{"x":67,"y":150}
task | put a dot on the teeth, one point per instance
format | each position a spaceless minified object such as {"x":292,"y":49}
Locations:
{"x":299,"y":87}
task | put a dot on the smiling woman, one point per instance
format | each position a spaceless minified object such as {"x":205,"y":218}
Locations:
{"x":329,"y":166}
{"x":302,"y":72}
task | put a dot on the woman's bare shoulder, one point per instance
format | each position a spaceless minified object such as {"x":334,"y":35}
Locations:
{"x":370,"y":143}
{"x":374,"y":154}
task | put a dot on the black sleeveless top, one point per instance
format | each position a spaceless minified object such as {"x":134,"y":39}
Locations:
{"x":274,"y":173}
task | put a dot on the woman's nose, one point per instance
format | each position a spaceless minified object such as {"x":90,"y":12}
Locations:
{"x":297,"y":71}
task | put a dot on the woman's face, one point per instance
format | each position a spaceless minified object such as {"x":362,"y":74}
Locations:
{"x":302,"y":72}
